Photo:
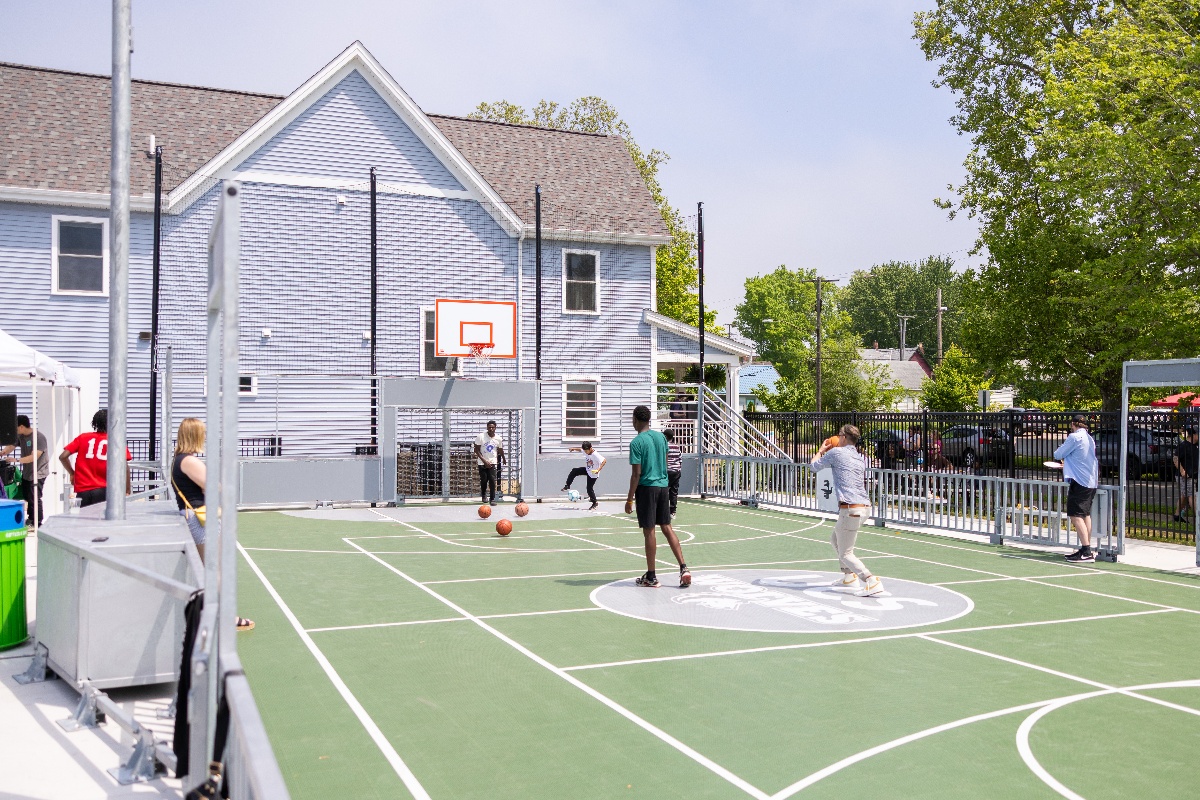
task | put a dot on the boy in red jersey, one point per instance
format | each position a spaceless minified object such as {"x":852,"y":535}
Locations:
{"x":90,"y":473}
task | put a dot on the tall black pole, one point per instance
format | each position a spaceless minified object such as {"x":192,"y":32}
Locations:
{"x":818,"y":344}
{"x":537,"y":232}
{"x":374,"y":298}
{"x":154,"y":304}
{"x":700,"y":255}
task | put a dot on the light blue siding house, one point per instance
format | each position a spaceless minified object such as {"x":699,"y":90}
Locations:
{"x":455,"y":219}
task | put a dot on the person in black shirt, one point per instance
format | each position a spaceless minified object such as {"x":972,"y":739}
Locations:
{"x":1186,"y":457}
{"x":33,"y":476}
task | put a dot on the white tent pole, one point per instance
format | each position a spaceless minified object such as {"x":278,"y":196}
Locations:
{"x":33,"y":447}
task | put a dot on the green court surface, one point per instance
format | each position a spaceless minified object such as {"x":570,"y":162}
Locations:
{"x":437,"y":659}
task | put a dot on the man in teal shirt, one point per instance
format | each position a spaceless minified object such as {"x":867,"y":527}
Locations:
{"x":648,"y":486}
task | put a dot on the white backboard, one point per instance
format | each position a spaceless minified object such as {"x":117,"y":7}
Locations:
{"x":460,"y":323}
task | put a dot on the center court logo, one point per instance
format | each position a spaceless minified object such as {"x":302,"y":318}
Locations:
{"x":783,"y":601}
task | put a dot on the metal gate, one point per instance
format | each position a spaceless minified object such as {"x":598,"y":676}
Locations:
{"x":435,"y":451}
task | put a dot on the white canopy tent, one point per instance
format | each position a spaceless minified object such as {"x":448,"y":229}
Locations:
{"x":55,"y":403}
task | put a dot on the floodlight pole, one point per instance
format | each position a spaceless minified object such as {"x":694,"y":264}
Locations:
{"x":118,"y":294}
{"x":374,"y":300}
{"x":537,"y":281}
{"x":154,"y":283}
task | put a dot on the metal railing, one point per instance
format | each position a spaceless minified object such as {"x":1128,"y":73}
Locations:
{"x":1004,"y":509}
{"x":701,"y":422}
{"x":1011,"y":444}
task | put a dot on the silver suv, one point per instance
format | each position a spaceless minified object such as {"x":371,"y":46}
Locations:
{"x":969,"y":446}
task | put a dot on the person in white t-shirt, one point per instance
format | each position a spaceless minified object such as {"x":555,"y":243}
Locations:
{"x":593,"y":462}
{"x":489,"y":456}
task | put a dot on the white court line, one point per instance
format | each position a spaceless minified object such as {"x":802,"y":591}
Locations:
{"x":707,"y":567}
{"x":447,"y":619}
{"x":860,"y":640}
{"x":1027,"y":725}
{"x":1057,"y":673}
{"x":1011,"y":578}
{"x":286,"y":550}
{"x":402,"y":771}
{"x":1113,"y":572}
{"x":483,"y":548}
{"x":913,"y":737}
{"x":578,"y":684}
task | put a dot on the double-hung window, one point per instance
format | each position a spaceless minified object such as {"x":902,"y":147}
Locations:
{"x":79,"y":256}
{"x":581,"y":282}
{"x":581,"y":408}
{"x":430,"y":363}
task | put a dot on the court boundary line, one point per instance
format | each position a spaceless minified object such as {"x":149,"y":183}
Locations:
{"x":447,"y":619}
{"x":645,"y":725}
{"x":373,"y":730}
{"x":1013,"y":578}
{"x":861,"y":756}
{"x":860,"y":640}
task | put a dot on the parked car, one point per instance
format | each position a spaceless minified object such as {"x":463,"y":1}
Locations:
{"x":1030,"y":420}
{"x":887,"y":447}
{"x":1147,"y":451}
{"x":969,"y":446}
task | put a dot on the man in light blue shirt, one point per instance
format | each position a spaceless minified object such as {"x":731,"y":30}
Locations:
{"x":854,"y":504}
{"x":1081,"y":470}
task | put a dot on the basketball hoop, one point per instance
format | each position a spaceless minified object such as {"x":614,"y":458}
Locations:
{"x":482,"y":353}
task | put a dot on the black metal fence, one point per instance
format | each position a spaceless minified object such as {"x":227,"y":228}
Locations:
{"x":249,"y":447}
{"x":1015,"y":444}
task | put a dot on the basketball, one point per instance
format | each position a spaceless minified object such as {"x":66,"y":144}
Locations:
{"x":522,"y":509}
{"x":485,"y":511}
{"x":504,"y":527}
{"x":832,"y":441}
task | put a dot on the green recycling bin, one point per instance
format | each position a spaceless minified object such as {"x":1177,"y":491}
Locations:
{"x":13,"y":627}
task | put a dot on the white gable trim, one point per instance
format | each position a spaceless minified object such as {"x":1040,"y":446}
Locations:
{"x":715,"y":341}
{"x":318,"y":182}
{"x":353,"y":58}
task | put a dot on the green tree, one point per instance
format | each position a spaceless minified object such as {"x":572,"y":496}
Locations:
{"x":778,"y":313}
{"x":875,"y":298}
{"x":676,"y":274}
{"x":1082,"y":116}
{"x":955,"y":383}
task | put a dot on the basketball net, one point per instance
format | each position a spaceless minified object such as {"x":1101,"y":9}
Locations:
{"x":482,"y":353}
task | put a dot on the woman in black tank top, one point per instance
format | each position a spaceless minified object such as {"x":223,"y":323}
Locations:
{"x":188,"y":477}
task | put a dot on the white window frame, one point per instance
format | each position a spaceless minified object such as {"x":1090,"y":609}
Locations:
{"x":432,"y":373}
{"x":596,"y":254}
{"x":253,"y":385}
{"x":567,"y":379}
{"x":104,"y":249}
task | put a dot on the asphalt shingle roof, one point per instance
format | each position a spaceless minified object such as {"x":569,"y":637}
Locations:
{"x":54,"y":134}
{"x":55,"y":128}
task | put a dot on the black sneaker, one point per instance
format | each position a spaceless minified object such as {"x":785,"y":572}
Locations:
{"x":593,"y":506}
{"x":685,"y":577}
{"x":1082,"y":556}
{"x":647,"y":581}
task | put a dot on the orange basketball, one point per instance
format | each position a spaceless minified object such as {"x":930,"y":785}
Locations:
{"x":504,"y":527}
{"x":832,"y":441}
{"x":522,"y":509}
{"x":485,"y":511}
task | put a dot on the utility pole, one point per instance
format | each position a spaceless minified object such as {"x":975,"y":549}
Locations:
{"x":941,"y":308}
{"x":903,"y":331}
{"x":700,"y":260}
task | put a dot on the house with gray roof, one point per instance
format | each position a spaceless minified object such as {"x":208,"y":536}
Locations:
{"x":455,"y":219}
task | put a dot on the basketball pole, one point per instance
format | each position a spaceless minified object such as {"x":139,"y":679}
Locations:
{"x":537,"y":232}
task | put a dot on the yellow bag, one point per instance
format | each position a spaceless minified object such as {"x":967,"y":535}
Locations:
{"x":201,"y":512}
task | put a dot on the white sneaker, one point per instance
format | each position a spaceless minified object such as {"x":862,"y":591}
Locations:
{"x":846,"y":583}
{"x":873,"y":587}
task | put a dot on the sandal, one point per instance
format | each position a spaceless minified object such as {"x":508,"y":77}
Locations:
{"x":244,"y":624}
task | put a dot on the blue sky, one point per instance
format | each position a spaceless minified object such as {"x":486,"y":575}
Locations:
{"x":809,"y":129}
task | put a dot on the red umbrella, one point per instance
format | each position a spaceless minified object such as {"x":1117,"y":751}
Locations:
{"x":1172,"y":400}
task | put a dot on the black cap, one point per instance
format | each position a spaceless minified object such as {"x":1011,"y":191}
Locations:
{"x":1080,"y":419}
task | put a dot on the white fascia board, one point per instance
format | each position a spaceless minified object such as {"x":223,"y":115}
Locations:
{"x":597,"y":237}
{"x":355,"y":57}
{"x":69,"y":199}
{"x":731,"y":346}
{"x":348,"y":184}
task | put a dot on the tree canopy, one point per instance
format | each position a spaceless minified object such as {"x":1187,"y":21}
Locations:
{"x":778,"y":313}
{"x":955,"y":383}
{"x":676,"y":274}
{"x":874,"y":299}
{"x":1082,"y":117}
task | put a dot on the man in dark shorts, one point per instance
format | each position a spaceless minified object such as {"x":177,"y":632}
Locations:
{"x":1081,"y":470}
{"x":1187,"y":459}
{"x":648,"y":486}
